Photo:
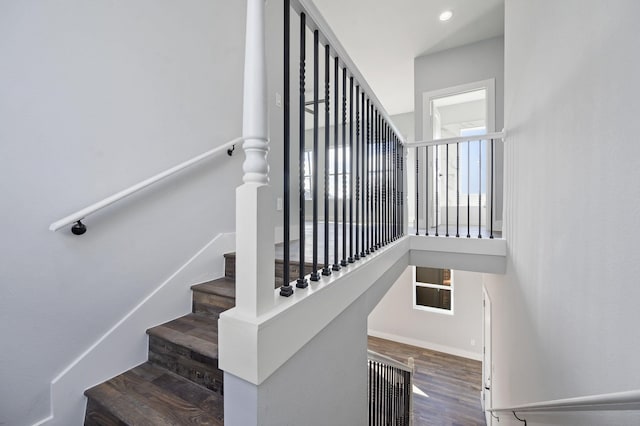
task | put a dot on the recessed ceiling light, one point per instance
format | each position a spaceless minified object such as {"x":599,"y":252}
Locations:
{"x":446,"y":15}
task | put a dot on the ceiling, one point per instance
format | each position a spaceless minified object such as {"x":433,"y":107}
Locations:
{"x":383,"y":37}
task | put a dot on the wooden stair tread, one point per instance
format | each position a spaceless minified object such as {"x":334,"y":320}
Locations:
{"x":221,"y":287}
{"x":149,"y":395}
{"x":195,"y":332}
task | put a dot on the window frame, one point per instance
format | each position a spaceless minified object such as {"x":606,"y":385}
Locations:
{"x":451,"y":288}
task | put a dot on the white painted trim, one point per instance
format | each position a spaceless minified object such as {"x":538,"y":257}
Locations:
{"x":460,"y":139}
{"x":98,"y":363}
{"x":375,"y":356}
{"x":251,"y":347}
{"x":486,"y":395}
{"x":428,"y":285}
{"x":484,"y":246}
{"x":488,"y":84}
{"x":426,"y":345}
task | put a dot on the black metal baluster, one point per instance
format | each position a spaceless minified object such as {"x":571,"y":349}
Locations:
{"x":492,"y":194}
{"x":468,"y":189}
{"x":386,"y":185}
{"x":315,"y":276}
{"x":479,"y":189}
{"x":286,"y":289}
{"x":351,"y":258}
{"x":302,"y":282}
{"x":446,"y":191}
{"x":417,"y":192}
{"x":336,"y":148}
{"x":401,"y":177}
{"x":343,"y":262}
{"x":363,"y":197}
{"x":376,"y":205}
{"x":426,"y":186}
{"x":396,"y":199}
{"x":437,"y":183}
{"x":379,"y":182}
{"x":370,"y":390}
{"x":372,"y":176}
{"x":385,"y":189}
{"x":389,"y":174}
{"x":326,"y":270}
{"x":394,"y":174}
{"x":457,"y":190}
{"x":356,"y":255}
{"x":368,"y":179}
{"x":378,"y":380}
{"x":376,"y":179}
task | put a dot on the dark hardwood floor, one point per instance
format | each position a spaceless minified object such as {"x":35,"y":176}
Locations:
{"x":449,"y":386}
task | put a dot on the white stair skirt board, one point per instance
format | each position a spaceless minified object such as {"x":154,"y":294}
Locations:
{"x":125,"y":345}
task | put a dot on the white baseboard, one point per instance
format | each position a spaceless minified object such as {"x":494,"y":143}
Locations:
{"x":426,"y":345}
{"x":125,"y":345}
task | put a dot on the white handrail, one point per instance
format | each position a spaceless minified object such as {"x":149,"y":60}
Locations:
{"x":375,"y":356}
{"x":315,"y":20}
{"x":459,"y":139}
{"x":81,"y":214}
{"x":629,"y":400}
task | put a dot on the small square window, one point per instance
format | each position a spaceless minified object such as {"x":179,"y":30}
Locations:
{"x":433,"y":289}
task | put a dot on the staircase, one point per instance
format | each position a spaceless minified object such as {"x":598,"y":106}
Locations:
{"x":181,"y":383}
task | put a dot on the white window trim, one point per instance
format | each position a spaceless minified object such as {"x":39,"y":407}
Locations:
{"x":443,"y":287}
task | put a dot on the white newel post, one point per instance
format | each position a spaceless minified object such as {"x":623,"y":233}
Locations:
{"x":255,"y":204}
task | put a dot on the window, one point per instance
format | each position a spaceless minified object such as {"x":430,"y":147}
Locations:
{"x":308,"y":173}
{"x":433,"y":289}
{"x":472,"y":179}
{"x":332,"y":172}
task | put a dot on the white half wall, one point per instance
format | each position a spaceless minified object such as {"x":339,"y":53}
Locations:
{"x":304,"y":362}
{"x":566,"y":315}
{"x":324,"y":383}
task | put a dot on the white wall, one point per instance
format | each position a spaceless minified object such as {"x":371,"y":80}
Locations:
{"x":325,"y":383}
{"x":96,"y":96}
{"x":395,"y":318}
{"x":565,"y":315}
{"x":461,"y":65}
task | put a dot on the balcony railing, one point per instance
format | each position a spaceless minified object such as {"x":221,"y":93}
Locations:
{"x":455,"y":186}
{"x":390,"y":386}
{"x":354,"y":148}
